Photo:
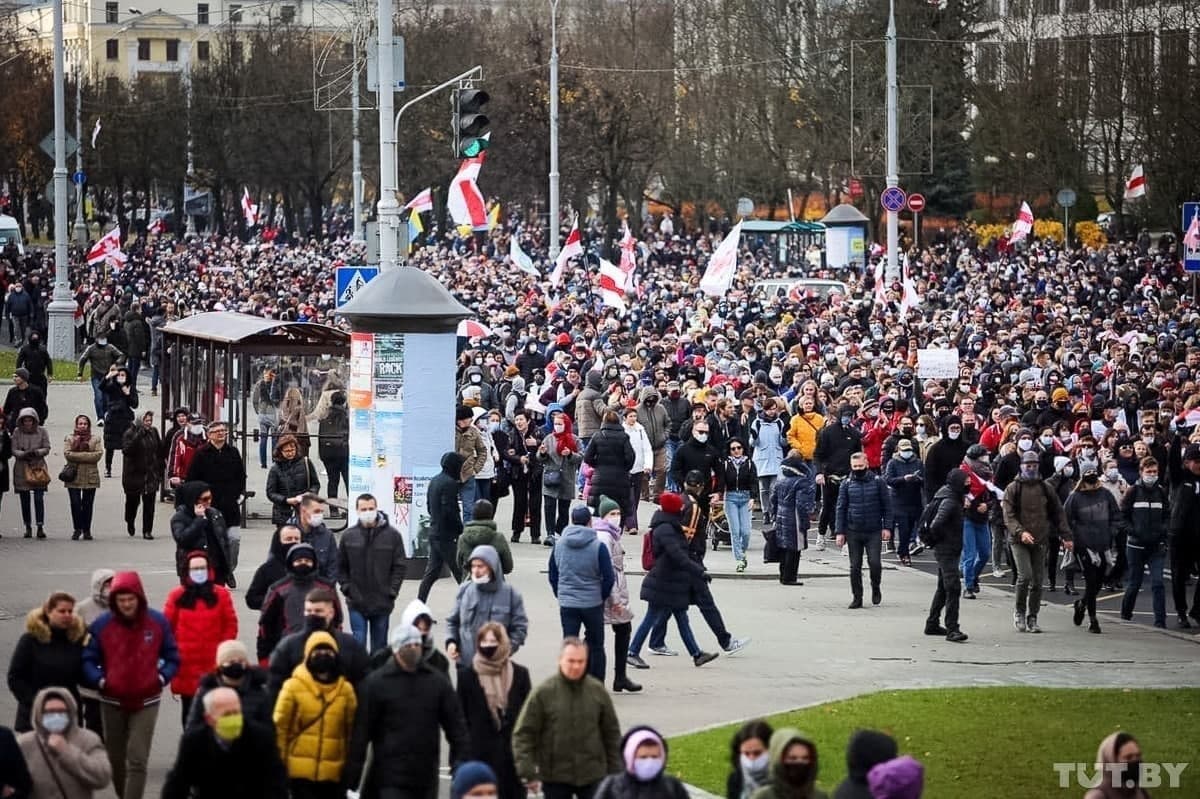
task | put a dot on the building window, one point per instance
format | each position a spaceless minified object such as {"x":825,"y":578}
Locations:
{"x":235,"y":52}
{"x":202,"y":53}
{"x":172,"y":49}
{"x":1077,"y":6}
{"x":1173,"y":52}
{"x":987,"y":62}
{"x":235,"y":12}
{"x":143,"y":49}
{"x":112,"y":49}
{"x":202,"y":13}
{"x":287,"y":14}
{"x":110,"y":13}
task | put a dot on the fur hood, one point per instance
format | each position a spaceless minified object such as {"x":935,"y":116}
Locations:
{"x":37,"y":625}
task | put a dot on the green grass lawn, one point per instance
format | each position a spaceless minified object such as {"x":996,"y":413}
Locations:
{"x":980,"y":742}
{"x":63,"y":370}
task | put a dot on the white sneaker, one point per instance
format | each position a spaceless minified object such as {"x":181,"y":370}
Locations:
{"x":1018,"y":621}
{"x":820,"y":546}
{"x":665,"y":651}
{"x":1031,"y":625}
{"x":998,"y":573}
{"x":736,"y":645}
{"x":916,"y":549}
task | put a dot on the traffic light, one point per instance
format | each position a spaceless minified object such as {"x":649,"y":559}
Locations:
{"x":470,"y":123}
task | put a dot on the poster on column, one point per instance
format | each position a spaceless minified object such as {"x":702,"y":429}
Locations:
{"x":360,"y":399}
{"x":389,"y":371}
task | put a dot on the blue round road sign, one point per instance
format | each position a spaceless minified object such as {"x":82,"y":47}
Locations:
{"x":893,"y":199}
{"x":78,"y":178}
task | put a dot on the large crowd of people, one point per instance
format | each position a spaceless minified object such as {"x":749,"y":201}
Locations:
{"x":1064,"y":450}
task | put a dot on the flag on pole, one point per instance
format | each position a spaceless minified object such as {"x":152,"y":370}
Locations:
{"x":415,"y":226}
{"x":722,"y":265}
{"x":911,"y":299}
{"x":494,"y":217}
{"x":612,"y":285}
{"x":519,"y":258}
{"x":95,"y":132}
{"x":108,"y":248}
{"x":1023,"y":226}
{"x":464,"y":200}
{"x":249,"y":209}
{"x":1136,"y":185}
{"x":1191,"y":239}
{"x":422,"y":203}
{"x":573,"y":248}
{"x":628,"y":258}
{"x":157,"y":227}
{"x":880,"y":286}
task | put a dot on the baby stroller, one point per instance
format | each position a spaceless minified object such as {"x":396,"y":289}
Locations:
{"x":718,"y":526}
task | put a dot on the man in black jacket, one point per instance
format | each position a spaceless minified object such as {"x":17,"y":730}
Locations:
{"x":1147,"y":511}
{"x":221,"y":466}
{"x":1185,"y":535}
{"x":283,"y":609}
{"x":35,"y":359}
{"x":320,"y":614}
{"x":403,"y":708}
{"x":445,"y":523}
{"x":695,"y":455}
{"x":836,"y":442}
{"x":946,"y":530}
{"x":679,"y":410}
{"x":864,"y":521}
{"x":228,"y":758}
{"x":23,"y":395}
{"x":370,"y":571}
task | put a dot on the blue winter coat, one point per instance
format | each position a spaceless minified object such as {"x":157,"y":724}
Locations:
{"x":906,"y":494}
{"x":769,"y":441}
{"x":793,"y":500}
{"x":863,"y":506}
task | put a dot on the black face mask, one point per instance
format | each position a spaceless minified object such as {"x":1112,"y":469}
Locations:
{"x":859,"y":474}
{"x":489,"y":651}
{"x":1131,"y":775}
{"x":796,"y":773}
{"x":302,"y":571}
{"x":323,"y":666}
{"x":234,"y":671}
{"x":314,"y":622}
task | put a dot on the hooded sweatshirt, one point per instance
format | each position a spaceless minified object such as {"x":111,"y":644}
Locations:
{"x":866,"y":749}
{"x":314,"y":719}
{"x":445,"y":517}
{"x":1107,"y":753}
{"x":898,"y":778}
{"x":478,"y":603}
{"x":77,"y":771}
{"x":90,"y":609}
{"x":780,"y":788}
{"x":581,"y":571}
{"x":1093,"y":516}
{"x":283,"y":609}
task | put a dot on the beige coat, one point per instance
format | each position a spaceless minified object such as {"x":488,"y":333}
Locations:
{"x":82,"y":767}
{"x":89,"y":472}
{"x":27,"y":449}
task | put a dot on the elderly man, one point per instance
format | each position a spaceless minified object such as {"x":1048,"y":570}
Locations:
{"x":228,"y":758}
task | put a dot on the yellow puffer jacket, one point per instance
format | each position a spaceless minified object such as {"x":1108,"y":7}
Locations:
{"x":313,"y":720}
{"x":802,"y":433}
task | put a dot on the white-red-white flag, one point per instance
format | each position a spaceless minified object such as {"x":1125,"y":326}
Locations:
{"x":1191,"y":238}
{"x":1136,"y":185}
{"x":629,"y":258}
{"x":880,"y":285}
{"x":722,"y":265}
{"x":464,"y":201}
{"x":95,"y":133}
{"x":422,"y":203}
{"x":108,"y":248}
{"x":572,"y":248}
{"x":612,"y":285}
{"x":157,"y":227}
{"x":1023,"y":226}
{"x":519,"y":258}
{"x":911,"y":299}
{"x":249,"y":209}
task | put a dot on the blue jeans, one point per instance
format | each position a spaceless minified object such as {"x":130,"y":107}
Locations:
{"x":657,"y":614}
{"x":592,"y":622}
{"x":977,"y":550}
{"x":1138,"y":559}
{"x":737,"y":511}
{"x":98,"y":398}
{"x":673,"y":445}
{"x":466,"y":494}
{"x":265,"y":431}
{"x":376,"y":625}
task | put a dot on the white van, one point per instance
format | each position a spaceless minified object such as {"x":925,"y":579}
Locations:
{"x":9,"y":231}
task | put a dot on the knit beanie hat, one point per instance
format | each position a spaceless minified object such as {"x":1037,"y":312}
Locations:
{"x":607,"y":506}
{"x":671,"y":503}
{"x":581,"y":515}
{"x":462,"y":412}
{"x":470,"y":775}
{"x":232,"y":650}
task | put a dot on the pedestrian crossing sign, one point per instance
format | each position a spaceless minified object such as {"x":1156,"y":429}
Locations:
{"x":350,"y":280}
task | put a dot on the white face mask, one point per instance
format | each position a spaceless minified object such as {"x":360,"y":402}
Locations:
{"x":121,"y":379}
{"x":647,"y":768}
{"x":701,"y":437}
{"x":56,"y":723}
{"x":614,"y":519}
{"x":1025,"y":444}
{"x":196,"y":429}
{"x":481,"y":579}
{"x":103,"y":342}
{"x":953,"y":434}
{"x":558,"y":428}
{"x":316,"y":519}
{"x":1112,"y":475}
{"x":198,"y":576}
{"x":756,"y":766}
{"x":367,"y":517}
{"x":905,"y":454}
{"x":1047,"y":440}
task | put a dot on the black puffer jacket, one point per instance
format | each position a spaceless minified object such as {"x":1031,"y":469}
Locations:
{"x":611,"y":455}
{"x":225,"y":474}
{"x":944,"y":455}
{"x":1093,"y":516}
{"x":669,"y":582}
{"x":119,"y":415}
{"x":863,"y":506}
{"x":289,"y":479}
{"x":947,"y":524}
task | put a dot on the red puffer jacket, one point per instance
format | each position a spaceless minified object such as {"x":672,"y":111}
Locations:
{"x":201,"y":618}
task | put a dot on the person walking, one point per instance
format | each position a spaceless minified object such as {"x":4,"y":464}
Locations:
{"x":333,"y":443}
{"x":767,"y":438}
{"x":293,"y":419}
{"x":137,"y":343}
{"x":526,"y":472}
{"x":65,"y":761}
{"x":404,"y":708}
{"x":265,"y":399}
{"x":292,"y":476}
{"x":946,"y":535}
{"x":655,"y":422}
{"x":183,"y":446}
{"x":865,"y":750}
{"x":560,"y":455}
{"x":794,"y":767}
{"x":283,"y":611}
{"x":445,"y":523}
{"x":229,"y":757}
{"x":644,"y":754}
{"x":220,"y":466}
{"x":582,"y":578}
{"x":130,"y":656}
{"x":1119,"y":763}
{"x":35,"y":360}
{"x":1093,"y":517}
{"x":321,"y":614}
{"x":314,"y":719}
{"x":120,"y":401}
{"x":738,"y":477}
{"x":197,"y":525}
{"x":48,"y":653}
{"x":371,"y":568}
{"x":567,"y":738}
{"x":201,"y":616}
{"x":310,"y":518}
{"x":1184,"y":535}
{"x":864,"y":522}
{"x":18,"y":305}
{"x":273,"y":568}
{"x":837,"y":440}
{"x":905,"y":478}
{"x":750,"y":760}
{"x":617,"y":613}
{"x":30,"y":446}
{"x":492,"y":691}
{"x":1031,"y":511}
{"x":141,"y":473}
{"x":1146,"y":510}
{"x":82,"y":450}
{"x":643,"y":452}
{"x":234,"y":670}
{"x":469,"y":444}
{"x":99,"y":356}
{"x":485,"y":597}
{"x":611,"y":456}
{"x":24,"y":394}
{"x":88,"y":610}
{"x":482,"y":530}
{"x":793,"y":502}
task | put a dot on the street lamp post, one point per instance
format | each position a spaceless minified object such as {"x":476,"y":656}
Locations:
{"x":81,"y":233}
{"x":356,"y":151}
{"x":553,"y":222}
{"x":893,"y":146}
{"x":61,"y":311}
{"x":389,"y":208}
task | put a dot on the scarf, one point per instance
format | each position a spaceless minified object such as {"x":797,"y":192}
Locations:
{"x":566,"y":439}
{"x":495,"y":678}
{"x":81,"y":441}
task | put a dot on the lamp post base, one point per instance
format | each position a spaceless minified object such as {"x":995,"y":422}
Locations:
{"x":61,"y":315}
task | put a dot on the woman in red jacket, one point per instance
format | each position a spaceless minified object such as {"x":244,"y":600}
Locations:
{"x":201,"y":616}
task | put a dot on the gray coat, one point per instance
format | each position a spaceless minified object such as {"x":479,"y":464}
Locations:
{"x":569,"y":465}
{"x":477,"y":604}
{"x":27,"y":449}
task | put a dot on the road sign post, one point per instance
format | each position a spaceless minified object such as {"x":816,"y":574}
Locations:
{"x":350,"y":280}
{"x":916,"y":204}
{"x":1066,"y":198}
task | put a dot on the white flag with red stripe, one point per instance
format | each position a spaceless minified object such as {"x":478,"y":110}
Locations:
{"x":722,"y":266}
{"x":612,"y":285}
{"x":249,"y":209}
{"x":422,"y":203}
{"x":464,"y":201}
{"x":108,"y":248}
{"x":1136,"y":185}
{"x":1023,"y":226}
{"x":880,"y":284}
{"x":911,"y":299}
{"x":572,"y":248}
{"x":157,"y":227}
{"x":629,"y":259}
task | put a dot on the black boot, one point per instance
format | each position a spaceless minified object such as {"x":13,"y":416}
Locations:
{"x":129,"y":529}
{"x":148,"y":535}
{"x":28,"y":531}
{"x":626,"y":684}
{"x":41,"y":533}
{"x":75,"y":535}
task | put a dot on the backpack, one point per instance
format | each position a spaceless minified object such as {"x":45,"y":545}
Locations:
{"x":926,"y":534}
{"x":648,"y":550}
{"x":334,"y":434}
